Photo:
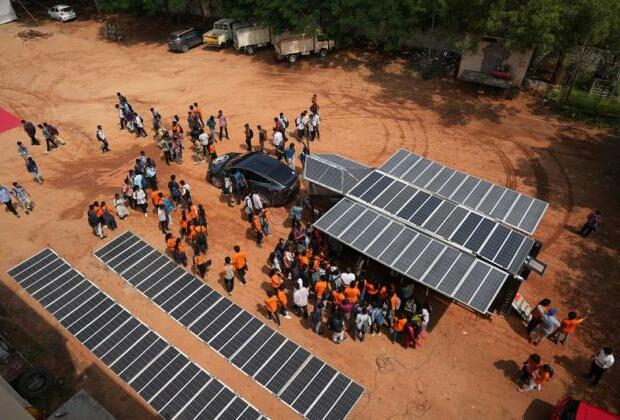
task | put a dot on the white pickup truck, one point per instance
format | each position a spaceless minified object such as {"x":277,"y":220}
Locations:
{"x":221,"y":35}
{"x":291,"y":46}
{"x":250,"y":38}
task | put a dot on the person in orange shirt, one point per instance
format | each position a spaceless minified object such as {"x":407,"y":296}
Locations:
{"x":192,"y":211}
{"x":283,"y":300}
{"x":338,"y":297}
{"x":199,"y":238}
{"x":319,"y":288}
{"x":211,"y":149}
{"x":568,"y":327}
{"x":184,"y":223}
{"x":156,"y":200}
{"x":179,"y":253}
{"x":394,"y":305}
{"x":276,"y":279}
{"x":541,"y":376}
{"x":240,"y":262}
{"x":201,"y":264}
{"x":383,"y":292}
{"x":258,"y":228}
{"x":170,"y":243}
{"x":303,"y":260}
{"x":372,"y":289}
{"x":352,"y":293}
{"x":271,"y":304}
{"x":398,"y":325}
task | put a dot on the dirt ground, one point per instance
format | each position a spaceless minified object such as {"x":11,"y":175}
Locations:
{"x":369,"y":108}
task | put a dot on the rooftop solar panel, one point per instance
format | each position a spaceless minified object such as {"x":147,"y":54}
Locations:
{"x":418,"y":256}
{"x":503,"y":204}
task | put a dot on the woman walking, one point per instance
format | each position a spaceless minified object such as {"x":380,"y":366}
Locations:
{"x":119,"y":205}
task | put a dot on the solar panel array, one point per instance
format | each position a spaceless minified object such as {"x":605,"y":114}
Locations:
{"x":503,"y":204}
{"x":333,"y":171}
{"x":163,"y":376}
{"x":428,"y":212}
{"x":441,"y":267}
{"x":302,"y":381}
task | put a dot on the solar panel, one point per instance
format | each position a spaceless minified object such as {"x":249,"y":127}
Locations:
{"x":333,"y":172}
{"x":141,"y":358}
{"x":418,"y":256}
{"x":502,"y":204}
{"x":268,"y":357}
{"x":329,"y":397}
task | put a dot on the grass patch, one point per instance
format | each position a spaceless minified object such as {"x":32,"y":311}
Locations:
{"x":585,"y":107}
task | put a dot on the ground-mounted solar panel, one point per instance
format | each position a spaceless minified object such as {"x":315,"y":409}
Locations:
{"x":444,"y":268}
{"x":256,"y":349}
{"x":501,"y":203}
{"x":158,"y":372}
{"x":333,"y":172}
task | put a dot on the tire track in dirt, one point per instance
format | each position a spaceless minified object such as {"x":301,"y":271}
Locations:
{"x":570,"y":201}
{"x":509,"y":169}
{"x":542,"y":179}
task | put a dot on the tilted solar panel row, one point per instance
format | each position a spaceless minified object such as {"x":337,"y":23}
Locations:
{"x":437,"y":216}
{"x":443,"y":268}
{"x":333,"y":171}
{"x":165,"y":378}
{"x":303,"y":382}
{"x":508,"y":206}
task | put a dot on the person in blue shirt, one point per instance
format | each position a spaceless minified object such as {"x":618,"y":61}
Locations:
{"x":6,"y":200}
{"x":32,"y":167}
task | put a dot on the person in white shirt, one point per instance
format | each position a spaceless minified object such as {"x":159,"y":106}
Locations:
{"x":278,"y":143}
{"x":305,"y":119}
{"x":102,"y":139}
{"x":315,"y":121}
{"x":257,"y":202}
{"x":362,"y":324}
{"x":139,"y":197}
{"x":140,"y":131}
{"x":203,"y":139}
{"x":283,"y":124}
{"x":300,"y":298}
{"x":300,"y":126}
{"x":121,"y":116}
{"x":248,"y":209}
{"x":601,"y":362}
{"x":347,"y":277}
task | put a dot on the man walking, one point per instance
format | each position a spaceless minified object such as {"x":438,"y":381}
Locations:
{"x":223,"y":125}
{"x":32,"y":167}
{"x":48,"y":139}
{"x":6,"y":200}
{"x":139,"y":122}
{"x":278,"y":143}
{"x":31,"y":131}
{"x":240,"y":262}
{"x":249,"y":133}
{"x":601,"y":363}
{"x":262,"y":138}
{"x":228,"y":272}
{"x":102,"y":139}
{"x":121,"y":116}
{"x":592,"y":223}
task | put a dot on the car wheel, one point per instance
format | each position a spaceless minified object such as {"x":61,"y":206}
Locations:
{"x":292,"y":58}
{"x":33,"y":382}
{"x":185,"y":48}
{"x":323,"y":53}
{"x":249,"y":50}
{"x":217,"y":183}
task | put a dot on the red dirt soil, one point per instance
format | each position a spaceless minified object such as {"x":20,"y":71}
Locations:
{"x":466,"y":369}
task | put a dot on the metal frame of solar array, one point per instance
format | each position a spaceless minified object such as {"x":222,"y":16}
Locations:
{"x":302,"y":381}
{"x":433,"y":263}
{"x":172,"y":384}
{"x":506,"y":205}
{"x":440,"y":218}
{"x":330,"y":171}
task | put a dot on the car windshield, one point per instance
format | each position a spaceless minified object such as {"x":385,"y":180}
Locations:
{"x":221,"y":26}
{"x":65,"y":9}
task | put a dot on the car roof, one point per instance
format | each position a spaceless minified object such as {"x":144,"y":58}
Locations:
{"x":265,"y":165}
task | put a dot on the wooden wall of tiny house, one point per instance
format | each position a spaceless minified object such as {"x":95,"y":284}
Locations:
{"x":490,"y":53}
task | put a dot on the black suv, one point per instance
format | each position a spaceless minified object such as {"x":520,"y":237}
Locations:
{"x":276,"y":183}
{"x":185,"y":39}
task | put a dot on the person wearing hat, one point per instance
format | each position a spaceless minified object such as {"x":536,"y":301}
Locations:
{"x":548,"y":325}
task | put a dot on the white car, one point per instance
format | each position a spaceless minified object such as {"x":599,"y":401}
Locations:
{"x":61,"y":12}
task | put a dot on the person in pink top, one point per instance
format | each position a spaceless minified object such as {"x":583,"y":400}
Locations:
{"x":221,"y":119}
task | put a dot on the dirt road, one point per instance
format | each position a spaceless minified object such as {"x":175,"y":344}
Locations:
{"x":467,"y":367}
